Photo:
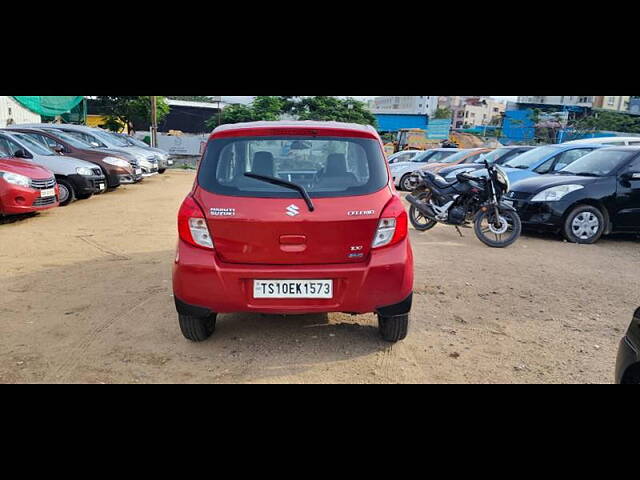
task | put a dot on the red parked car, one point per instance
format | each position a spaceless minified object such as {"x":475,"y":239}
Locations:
{"x":26,"y":187}
{"x":293,"y":218}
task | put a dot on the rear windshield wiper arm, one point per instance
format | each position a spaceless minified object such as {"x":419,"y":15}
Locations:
{"x":283,"y":183}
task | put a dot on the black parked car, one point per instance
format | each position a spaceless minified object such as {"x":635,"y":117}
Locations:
{"x":628,"y":363}
{"x":595,"y":195}
{"x":497,"y":157}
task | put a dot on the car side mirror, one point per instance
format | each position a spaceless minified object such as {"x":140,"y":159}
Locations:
{"x":631,"y":176}
{"x":20,"y":153}
{"x":58,"y":149}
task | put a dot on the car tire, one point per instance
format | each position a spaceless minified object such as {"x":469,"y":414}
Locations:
{"x":84,"y":196}
{"x":162,"y":170}
{"x":197,"y":329}
{"x":393,"y":329}
{"x":67,"y":192}
{"x":584,"y":224}
{"x":404,"y":180}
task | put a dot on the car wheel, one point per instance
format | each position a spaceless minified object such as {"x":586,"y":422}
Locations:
{"x":67,"y":193}
{"x":393,"y":329}
{"x":405,"y":184}
{"x":584,"y":224}
{"x":197,"y":329}
{"x":162,"y":170}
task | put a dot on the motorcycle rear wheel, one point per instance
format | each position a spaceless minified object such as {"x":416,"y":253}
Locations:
{"x":486,"y":228}
{"x":419,"y":221}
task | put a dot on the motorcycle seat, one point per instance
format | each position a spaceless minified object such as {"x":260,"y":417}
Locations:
{"x":438,"y":181}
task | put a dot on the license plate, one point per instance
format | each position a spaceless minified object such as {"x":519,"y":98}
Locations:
{"x":51,"y":192}
{"x":102,"y":186}
{"x":138,"y":171}
{"x":169,"y":162}
{"x":293,"y":289}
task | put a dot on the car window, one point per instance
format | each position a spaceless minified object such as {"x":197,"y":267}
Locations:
{"x":473,"y":158}
{"x":90,"y":139}
{"x":35,"y":147}
{"x":324,"y":166}
{"x":570,"y":156}
{"x":546,"y":166}
{"x":599,"y":162}
{"x":8,"y":147}
{"x":634,"y":142}
{"x":529,"y":158}
{"x":41,"y":139}
{"x":615,"y":143}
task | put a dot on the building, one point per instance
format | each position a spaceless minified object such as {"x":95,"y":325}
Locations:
{"x":619,"y":104}
{"x":476,"y":112}
{"x":11,"y":112}
{"x":409,"y":105}
{"x":560,"y":100}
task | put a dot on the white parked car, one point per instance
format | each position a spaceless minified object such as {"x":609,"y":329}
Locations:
{"x":401,"y":171}
{"x":403,"y":156}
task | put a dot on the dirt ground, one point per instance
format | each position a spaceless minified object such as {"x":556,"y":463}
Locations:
{"x":86,"y":297}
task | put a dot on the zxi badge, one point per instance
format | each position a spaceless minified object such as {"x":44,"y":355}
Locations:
{"x":293,"y":210}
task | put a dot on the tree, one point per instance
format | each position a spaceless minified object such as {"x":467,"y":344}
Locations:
{"x":335,"y":109}
{"x":302,"y":108}
{"x":443,"y":113}
{"x":194,"y":98}
{"x":124,"y":111}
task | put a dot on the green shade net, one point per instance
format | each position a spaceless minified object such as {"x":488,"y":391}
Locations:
{"x":49,"y":106}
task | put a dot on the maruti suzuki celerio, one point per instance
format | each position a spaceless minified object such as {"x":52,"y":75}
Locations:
{"x":293,"y":218}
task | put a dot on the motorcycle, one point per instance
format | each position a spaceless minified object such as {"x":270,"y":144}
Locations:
{"x":465,"y":201}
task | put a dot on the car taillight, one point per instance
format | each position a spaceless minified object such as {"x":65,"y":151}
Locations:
{"x":192,"y":225}
{"x":393,"y":225}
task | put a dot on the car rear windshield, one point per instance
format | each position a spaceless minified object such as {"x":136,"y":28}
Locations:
{"x":439,"y":155}
{"x":459,"y":155}
{"x":324,"y":166}
{"x":599,"y":162}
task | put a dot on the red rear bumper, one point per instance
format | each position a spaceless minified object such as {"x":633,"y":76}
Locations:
{"x":15,"y":200}
{"x":201,"y":279}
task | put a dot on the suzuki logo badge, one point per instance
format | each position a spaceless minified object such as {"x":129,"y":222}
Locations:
{"x":293,"y":210}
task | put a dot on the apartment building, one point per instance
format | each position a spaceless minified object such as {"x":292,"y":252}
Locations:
{"x":416,"y":105}
{"x":578,"y":101}
{"x":476,"y":112}
{"x":619,"y":104}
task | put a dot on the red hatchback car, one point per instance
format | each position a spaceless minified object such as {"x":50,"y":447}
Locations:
{"x":26,"y":187}
{"x":293,"y":218}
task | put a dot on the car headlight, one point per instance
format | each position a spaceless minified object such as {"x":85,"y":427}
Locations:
{"x":554,"y":194}
{"x":87,"y":172}
{"x":15,"y":179}
{"x":116,"y":162}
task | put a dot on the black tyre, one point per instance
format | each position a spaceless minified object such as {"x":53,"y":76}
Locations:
{"x":404,"y":182}
{"x":418,"y":220}
{"x":197,"y":329}
{"x":584,"y":224}
{"x":67,"y":192}
{"x":84,"y":196}
{"x":495,"y":232}
{"x":393,"y":329}
{"x":162,"y":170}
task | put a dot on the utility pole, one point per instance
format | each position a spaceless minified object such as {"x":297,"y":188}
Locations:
{"x":154,"y":121}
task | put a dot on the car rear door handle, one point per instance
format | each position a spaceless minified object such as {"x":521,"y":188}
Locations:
{"x":293,"y":243}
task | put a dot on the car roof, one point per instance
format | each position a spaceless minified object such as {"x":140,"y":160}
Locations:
{"x":334,"y":127}
{"x":623,"y":148}
{"x":604,"y":139}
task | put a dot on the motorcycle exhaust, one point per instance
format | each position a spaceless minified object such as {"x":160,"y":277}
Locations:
{"x":423,"y":208}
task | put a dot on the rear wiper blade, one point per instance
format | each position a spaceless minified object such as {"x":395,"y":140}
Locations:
{"x":586,"y":174}
{"x":283,"y":183}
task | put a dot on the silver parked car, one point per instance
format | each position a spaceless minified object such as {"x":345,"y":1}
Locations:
{"x":164,"y":159}
{"x":77,"y":179}
{"x":402,"y":171}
